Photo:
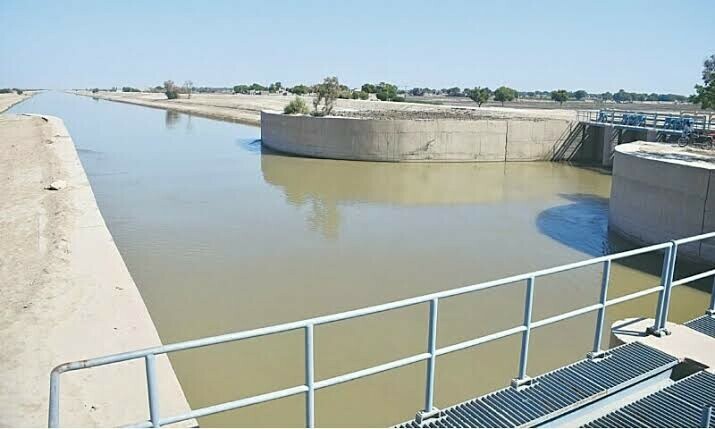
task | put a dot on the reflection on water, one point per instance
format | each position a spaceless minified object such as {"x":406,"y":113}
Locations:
{"x":221,"y":236}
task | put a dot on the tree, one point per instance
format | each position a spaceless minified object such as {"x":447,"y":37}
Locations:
{"x":580,"y":94}
{"x":95,"y":90}
{"x":170,"y":90}
{"x":560,"y":95}
{"x":606,"y":96}
{"x":299,"y":89}
{"x":369,"y":88}
{"x":386,"y":92}
{"x":327,"y":92}
{"x":240,"y":89}
{"x":622,"y":96}
{"x":479,"y":95}
{"x":454,"y":92}
{"x":275,"y":87}
{"x":504,"y":93}
{"x":705,"y":94}
{"x":188,"y":87}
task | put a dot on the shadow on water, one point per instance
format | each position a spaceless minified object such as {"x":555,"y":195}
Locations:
{"x":583,"y":225}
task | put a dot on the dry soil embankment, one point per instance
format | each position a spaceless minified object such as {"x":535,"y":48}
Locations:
{"x":9,"y":100}
{"x":66,"y":293}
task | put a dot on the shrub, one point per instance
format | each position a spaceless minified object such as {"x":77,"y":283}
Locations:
{"x":171,"y":94}
{"x":95,"y":90}
{"x":296,"y":107}
{"x":398,"y":98}
{"x":327,"y":92}
{"x":363,"y":95}
{"x":19,"y":91}
{"x":171,"y":90}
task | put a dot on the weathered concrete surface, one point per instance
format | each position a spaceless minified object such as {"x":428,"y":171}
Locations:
{"x":65,"y":291}
{"x":660,"y":192}
{"x":9,"y":100}
{"x":682,"y":343}
{"x":414,"y":140}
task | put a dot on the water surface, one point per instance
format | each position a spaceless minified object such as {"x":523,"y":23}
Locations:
{"x":221,"y":236}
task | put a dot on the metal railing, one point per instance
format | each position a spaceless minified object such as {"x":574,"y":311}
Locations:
{"x":671,"y":122}
{"x":432,"y":351}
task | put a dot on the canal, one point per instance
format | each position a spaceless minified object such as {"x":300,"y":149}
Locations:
{"x":221,"y":235}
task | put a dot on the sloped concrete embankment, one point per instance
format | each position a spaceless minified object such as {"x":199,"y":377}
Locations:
{"x":66,"y":293}
{"x":415,"y":140}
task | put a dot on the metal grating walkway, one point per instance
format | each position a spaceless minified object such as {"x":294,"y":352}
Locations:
{"x":557,"y":392}
{"x":704,"y":324}
{"x":679,"y":405}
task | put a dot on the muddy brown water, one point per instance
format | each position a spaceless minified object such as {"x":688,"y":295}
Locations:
{"x":222,"y":236}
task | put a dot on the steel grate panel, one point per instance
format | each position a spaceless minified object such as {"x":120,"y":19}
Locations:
{"x":703,"y":324}
{"x":555,"y":392}
{"x":678,"y":405}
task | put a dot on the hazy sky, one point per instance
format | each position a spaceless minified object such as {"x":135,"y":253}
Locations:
{"x":638,"y":45}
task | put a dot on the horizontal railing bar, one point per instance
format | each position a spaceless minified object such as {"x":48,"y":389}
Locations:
{"x":232,"y":405}
{"x":695,"y":238}
{"x":564,"y":316}
{"x":694,"y":278}
{"x":481,"y":340}
{"x":285,"y":327}
{"x":371,"y":371}
{"x":635,"y":295}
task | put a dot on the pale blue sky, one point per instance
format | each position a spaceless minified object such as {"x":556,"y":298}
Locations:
{"x":638,"y":45}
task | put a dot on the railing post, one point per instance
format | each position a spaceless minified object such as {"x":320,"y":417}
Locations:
{"x":430,"y":410}
{"x":711,"y":310}
{"x":309,"y":378}
{"x":667,"y":274}
{"x":152,"y":390}
{"x":53,"y":418}
{"x":706,"y":418}
{"x":605,"y":279}
{"x":431,"y":348}
{"x":522,"y":378}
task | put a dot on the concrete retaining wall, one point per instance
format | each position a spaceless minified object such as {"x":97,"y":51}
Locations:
{"x":660,"y":193}
{"x":415,"y":140}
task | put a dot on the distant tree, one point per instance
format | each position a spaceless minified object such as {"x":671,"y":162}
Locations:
{"x":386,"y":92}
{"x":622,"y":96}
{"x":560,"y":96}
{"x":454,"y":92}
{"x":170,"y":90}
{"x":705,"y":94}
{"x":19,"y":91}
{"x":362,"y":95}
{"x":369,"y":88}
{"x":257,"y":87}
{"x":95,"y":90}
{"x":606,"y":96}
{"x":580,"y":94}
{"x":240,"y":89}
{"x":129,"y":89}
{"x":275,"y":87}
{"x":300,"y":89}
{"x":296,"y":107}
{"x":5,"y":91}
{"x":327,"y":93}
{"x":417,"y":92}
{"x":504,"y":93}
{"x":188,"y":88}
{"x":479,"y":95}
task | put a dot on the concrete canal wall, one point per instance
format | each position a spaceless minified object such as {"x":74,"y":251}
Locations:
{"x":66,"y":293}
{"x":660,"y":192}
{"x":415,"y":140}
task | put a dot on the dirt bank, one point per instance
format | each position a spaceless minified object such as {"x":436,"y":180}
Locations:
{"x":247,"y":108}
{"x":9,"y":100}
{"x":66,"y":292}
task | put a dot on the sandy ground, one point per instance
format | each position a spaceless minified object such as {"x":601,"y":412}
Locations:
{"x":9,"y":100}
{"x":66,"y":293}
{"x":247,"y":108}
